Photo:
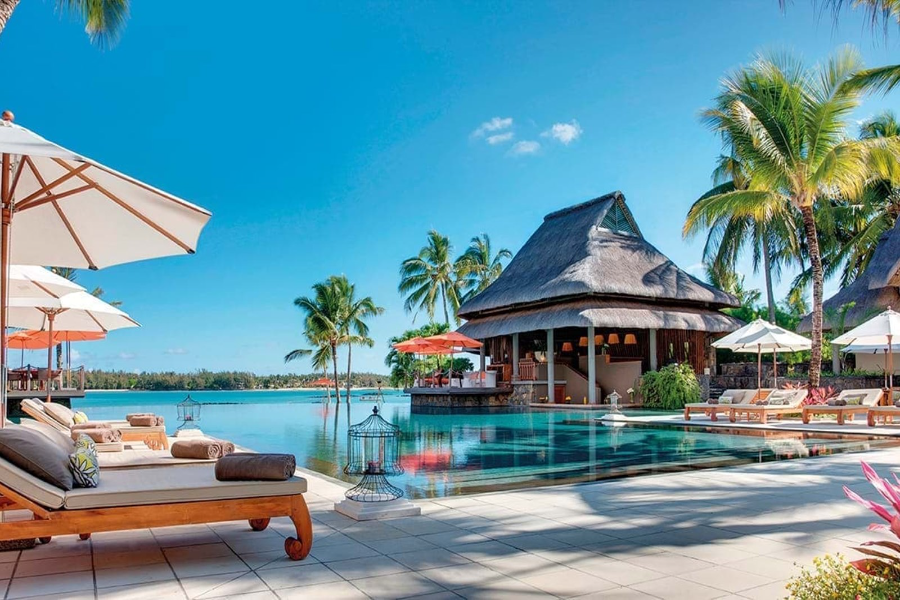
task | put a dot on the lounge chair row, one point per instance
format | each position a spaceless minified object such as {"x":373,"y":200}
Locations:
{"x":763,"y":404}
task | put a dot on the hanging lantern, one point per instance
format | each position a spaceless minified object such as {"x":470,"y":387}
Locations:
{"x":188,"y":413}
{"x":374,"y":453}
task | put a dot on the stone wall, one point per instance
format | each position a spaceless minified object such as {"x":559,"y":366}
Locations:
{"x":464,"y":398}
{"x":743,"y":376}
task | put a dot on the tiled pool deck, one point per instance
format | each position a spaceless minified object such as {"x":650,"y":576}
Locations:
{"x":727,"y":533}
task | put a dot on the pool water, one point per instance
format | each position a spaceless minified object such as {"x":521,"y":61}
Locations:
{"x":449,"y":454}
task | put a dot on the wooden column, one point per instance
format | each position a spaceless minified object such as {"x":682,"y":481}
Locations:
{"x":592,"y":367}
{"x":654,"y":363}
{"x":551,"y":368}
{"x":515,"y":356}
{"x":481,"y":378}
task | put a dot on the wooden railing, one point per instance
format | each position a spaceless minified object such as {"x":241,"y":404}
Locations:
{"x":527,"y":370}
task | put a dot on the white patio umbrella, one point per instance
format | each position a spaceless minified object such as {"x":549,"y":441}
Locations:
{"x":880,"y":330}
{"x":874,"y":350}
{"x":61,"y":208}
{"x":763,"y":337}
{"x":79,"y":311}
{"x":30,"y":281}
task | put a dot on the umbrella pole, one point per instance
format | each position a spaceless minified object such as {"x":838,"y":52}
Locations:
{"x":759,"y":368}
{"x":775,"y":366}
{"x":891,"y":372}
{"x":5,"y":222}
{"x":50,"y":316}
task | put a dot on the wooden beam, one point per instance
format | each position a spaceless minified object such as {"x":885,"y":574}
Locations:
{"x":46,"y":187}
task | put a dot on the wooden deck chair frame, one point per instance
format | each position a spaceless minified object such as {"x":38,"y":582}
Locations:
{"x":845,"y":412}
{"x":258,"y":511}
{"x":154,"y":439}
{"x":885,"y":414}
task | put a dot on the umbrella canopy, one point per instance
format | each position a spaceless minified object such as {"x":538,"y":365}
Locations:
{"x":453,"y":339}
{"x":877,"y":331}
{"x":870,"y":349}
{"x":412,"y":346}
{"x":763,"y":336}
{"x":30,"y":339}
{"x":30,"y":281}
{"x":73,"y":312}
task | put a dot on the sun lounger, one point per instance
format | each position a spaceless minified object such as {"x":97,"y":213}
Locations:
{"x":882,"y":414}
{"x":153,"y":497}
{"x":152,"y":436}
{"x":778,"y":404}
{"x":858,"y":402}
{"x":713,"y":410}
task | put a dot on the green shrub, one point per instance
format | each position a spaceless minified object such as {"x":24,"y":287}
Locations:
{"x":670,"y":388}
{"x":832,"y":578}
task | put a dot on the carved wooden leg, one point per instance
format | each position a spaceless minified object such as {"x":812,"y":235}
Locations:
{"x":84,"y":536}
{"x":805,"y":417}
{"x":840,"y":417}
{"x":763,"y":417}
{"x":687,"y":414}
{"x":45,"y":540}
{"x":298,"y":548}
{"x":258,"y":524}
{"x":732,"y":415}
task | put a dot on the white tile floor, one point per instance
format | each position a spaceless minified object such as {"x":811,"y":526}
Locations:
{"x":727,"y":533}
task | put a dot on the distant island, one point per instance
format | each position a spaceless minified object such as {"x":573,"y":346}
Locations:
{"x":219,"y":380}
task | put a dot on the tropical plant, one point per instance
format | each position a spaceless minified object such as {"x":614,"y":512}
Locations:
{"x":431,"y":277}
{"x":353,"y":326}
{"x":104,"y":20}
{"x":769,"y":231}
{"x":320,"y":357}
{"x":885,"y":561}
{"x":833,"y":578}
{"x":670,"y":388}
{"x":479,"y":267}
{"x":324,"y":313}
{"x":405,"y":366}
{"x":789,"y":123}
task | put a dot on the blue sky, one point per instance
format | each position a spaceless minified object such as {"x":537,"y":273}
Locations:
{"x":329,"y":138}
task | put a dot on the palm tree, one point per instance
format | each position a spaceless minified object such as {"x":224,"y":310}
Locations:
{"x":429,"y":275}
{"x":323,"y":316}
{"x":321,"y":356}
{"x":789,"y":124}
{"x":768,"y":231}
{"x":353,"y":325}
{"x":479,"y":267}
{"x":104,"y":20}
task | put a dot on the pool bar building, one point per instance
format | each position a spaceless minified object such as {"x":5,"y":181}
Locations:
{"x":589,"y":305}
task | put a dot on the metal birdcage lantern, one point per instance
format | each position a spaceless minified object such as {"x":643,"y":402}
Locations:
{"x":188,"y":413}
{"x":374,"y":453}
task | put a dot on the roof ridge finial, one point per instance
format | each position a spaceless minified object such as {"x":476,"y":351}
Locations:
{"x":8,"y":116}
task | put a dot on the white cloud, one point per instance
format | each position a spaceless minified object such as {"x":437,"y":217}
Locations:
{"x":564,"y":133}
{"x":495,"y":124}
{"x":176,"y":351}
{"x":499,"y":138}
{"x":126,"y":356}
{"x":524,"y":147}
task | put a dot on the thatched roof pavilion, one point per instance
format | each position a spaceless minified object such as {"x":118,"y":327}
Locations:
{"x":588,"y":269}
{"x":876,"y":289}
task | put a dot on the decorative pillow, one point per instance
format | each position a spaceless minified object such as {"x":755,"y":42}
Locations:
{"x":85,"y":441}
{"x":854,"y":399}
{"x":64,"y":442}
{"x":832,"y":402}
{"x":712,"y":401}
{"x":79,"y":418}
{"x":36,"y":454}
{"x":777,"y":401}
{"x":726,"y":400}
{"x":85,"y":469}
{"x":60,"y":413}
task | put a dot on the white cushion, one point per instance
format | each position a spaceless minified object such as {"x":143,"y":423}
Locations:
{"x":30,"y":486}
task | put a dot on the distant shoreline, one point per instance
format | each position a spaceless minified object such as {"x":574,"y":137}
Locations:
{"x":286,"y":389}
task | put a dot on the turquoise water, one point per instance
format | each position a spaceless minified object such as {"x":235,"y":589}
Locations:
{"x":465,"y":453}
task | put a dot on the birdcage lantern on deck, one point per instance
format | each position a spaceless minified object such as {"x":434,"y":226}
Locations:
{"x":188,"y":413}
{"x":374,"y":454}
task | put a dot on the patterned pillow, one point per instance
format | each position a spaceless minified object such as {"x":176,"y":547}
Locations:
{"x":85,"y":469}
{"x":80,"y":417}
{"x":854,"y":399}
{"x":726,"y":400}
{"x":85,"y":441}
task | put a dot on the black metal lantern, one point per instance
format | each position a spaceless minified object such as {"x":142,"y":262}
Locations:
{"x":374,"y":453}
{"x":188,"y":413}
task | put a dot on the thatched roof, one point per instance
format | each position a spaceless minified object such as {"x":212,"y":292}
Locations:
{"x":873,"y":291}
{"x":600,"y":313}
{"x":592,"y":250}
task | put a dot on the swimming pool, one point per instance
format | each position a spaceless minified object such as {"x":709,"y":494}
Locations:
{"x":446,"y":454}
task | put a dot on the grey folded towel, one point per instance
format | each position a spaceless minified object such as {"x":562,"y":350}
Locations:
{"x":245,"y":466}
{"x":199,"y":448}
{"x":100,"y":436}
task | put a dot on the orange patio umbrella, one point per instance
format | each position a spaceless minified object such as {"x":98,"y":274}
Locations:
{"x":31,"y":339}
{"x":453,"y":339}
{"x":322,"y":382}
{"x":412,"y":346}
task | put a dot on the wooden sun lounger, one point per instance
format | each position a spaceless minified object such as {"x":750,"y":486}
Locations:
{"x":148,"y":498}
{"x":846,"y":412}
{"x":152,"y":436}
{"x":764,"y":411}
{"x":882,"y":414}
{"x":713,"y":411}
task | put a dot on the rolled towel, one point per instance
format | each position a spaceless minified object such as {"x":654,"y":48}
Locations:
{"x":245,"y":466}
{"x":100,"y":436}
{"x":160,"y":421}
{"x":227,"y":447}
{"x":712,"y":401}
{"x":129,"y":416}
{"x":91,"y":425}
{"x":143,"y":421}
{"x":199,"y":448}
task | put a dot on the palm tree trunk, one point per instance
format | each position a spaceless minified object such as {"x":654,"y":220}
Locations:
{"x":815,"y":261}
{"x":444,"y":299}
{"x":337,"y":386}
{"x":6,"y":10}
{"x":770,"y":294}
{"x":327,"y":389}
{"x":349,"y":352}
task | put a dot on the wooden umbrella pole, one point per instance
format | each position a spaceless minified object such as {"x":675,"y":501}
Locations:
{"x":891,"y":372}
{"x":775,"y":366}
{"x":759,"y":368}
{"x":50,"y":316}
{"x":5,"y":222}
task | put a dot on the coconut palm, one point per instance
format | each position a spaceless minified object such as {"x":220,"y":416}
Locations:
{"x":478,"y":266}
{"x":430,"y":275}
{"x":766,"y":227}
{"x":104,"y":20}
{"x":321,"y":356}
{"x":324,"y":312}
{"x":789,"y":124}
{"x":353,"y":326}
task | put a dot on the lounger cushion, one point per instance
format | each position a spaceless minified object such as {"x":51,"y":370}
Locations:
{"x":36,"y":454}
{"x":188,"y":483}
{"x":60,"y":413}
{"x":54,"y":435}
{"x":30,"y":486}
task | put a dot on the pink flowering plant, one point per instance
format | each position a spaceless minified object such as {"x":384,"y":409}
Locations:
{"x":819,"y":395}
{"x":882,"y":556}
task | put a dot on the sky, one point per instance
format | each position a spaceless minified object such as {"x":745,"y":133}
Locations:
{"x":328,"y":138}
